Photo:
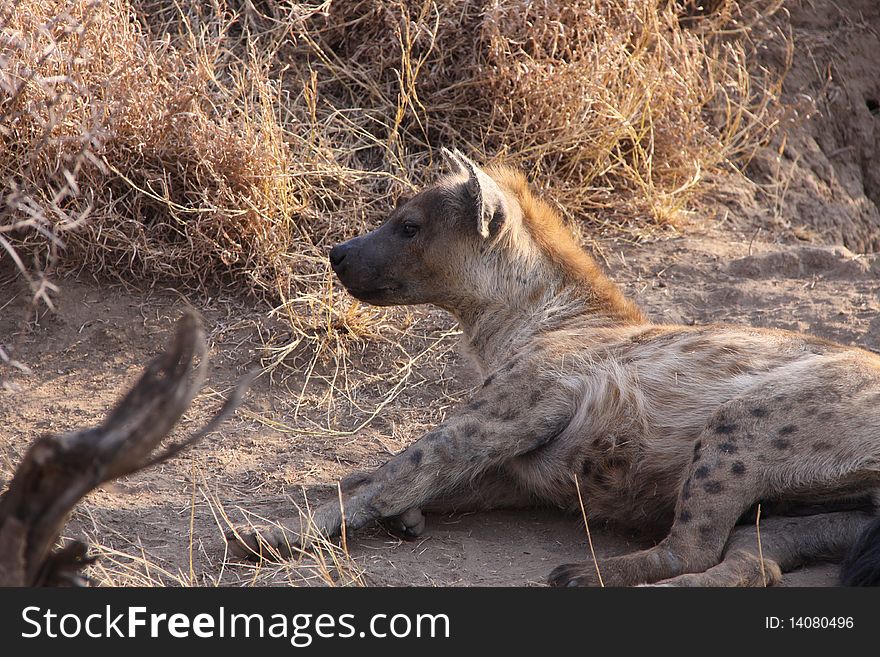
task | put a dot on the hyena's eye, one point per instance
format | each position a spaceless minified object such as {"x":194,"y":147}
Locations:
{"x":409,"y":229}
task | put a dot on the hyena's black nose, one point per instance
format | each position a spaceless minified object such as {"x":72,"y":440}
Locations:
{"x":337,"y":255}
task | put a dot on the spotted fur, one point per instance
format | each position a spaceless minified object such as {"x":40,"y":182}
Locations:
{"x":675,"y":431}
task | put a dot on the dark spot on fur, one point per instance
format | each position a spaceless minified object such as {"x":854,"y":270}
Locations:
{"x":726,"y":428}
{"x":355,"y":480}
{"x":707,"y":532}
{"x":535,"y":396}
{"x":697,"y":449}
{"x":727,"y":448}
{"x":713,"y":487}
{"x":781,"y":443}
{"x":686,"y":490}
{"x":826,"y":415}
{"x":470,"y":429}
{"x":806,"y":396}
{"x":489,"y":380}
{"x":758,"y":412}
{"x":615,"y":463}
{"x":415,"y":456}
{"x":738,"y":468}
{"x":504,"y":413}
{"x":696,"y":345}
{"x":586,"y":468}
{"x":509,"y":414}
{"x":477,"y":405}
{"x":821,"y":446}
{"x":684,"y":516}
{"x":788,"y":429}
{"x":702,"y":472}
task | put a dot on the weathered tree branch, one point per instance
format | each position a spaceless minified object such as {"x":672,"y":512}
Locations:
{"x":58,"y":471}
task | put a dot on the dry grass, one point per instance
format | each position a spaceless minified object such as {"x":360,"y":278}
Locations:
{"x":619,"y":109}
{"x":231,"y":143}
{"x":124,"y":560}
{"x":183,"y":175}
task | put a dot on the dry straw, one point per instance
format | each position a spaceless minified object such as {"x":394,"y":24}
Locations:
{"x":228,"y":145}
{"x":232,"y":143}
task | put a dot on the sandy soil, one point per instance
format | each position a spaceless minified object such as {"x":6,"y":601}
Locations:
{"x":771,"y":252}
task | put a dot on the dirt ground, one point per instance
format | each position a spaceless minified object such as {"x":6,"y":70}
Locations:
{"x":164,"y":526}
{"x":770,"y":252}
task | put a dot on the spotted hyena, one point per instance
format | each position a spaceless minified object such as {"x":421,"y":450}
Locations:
{"x":676,"y":431}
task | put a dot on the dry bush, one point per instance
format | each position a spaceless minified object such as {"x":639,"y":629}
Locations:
{"x":45,"y":138}
{"x":231,"y":143}
{"x":619,"y":109}
{"x":610,"y":102}
{"x":185,"y":174}
{"x":223,"y":143}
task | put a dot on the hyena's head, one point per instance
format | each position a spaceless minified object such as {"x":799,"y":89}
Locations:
{"x":433,"y":247}
{"x":476,"y":241}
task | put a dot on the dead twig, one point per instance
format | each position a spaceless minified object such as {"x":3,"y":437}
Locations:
{"x":58,"y":471}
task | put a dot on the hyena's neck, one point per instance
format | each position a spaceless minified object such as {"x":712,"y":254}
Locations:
{"x":498,"y":328}
{"x":536,"y":278}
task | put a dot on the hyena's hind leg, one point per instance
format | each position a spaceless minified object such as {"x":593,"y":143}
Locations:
{"x":722,"y":481}
{"x":785,"y":544}
{"x":763,"y":446}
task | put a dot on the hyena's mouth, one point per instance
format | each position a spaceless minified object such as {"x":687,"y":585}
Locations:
{"x":372,"y":294}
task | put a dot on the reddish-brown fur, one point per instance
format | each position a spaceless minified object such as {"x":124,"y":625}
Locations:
{"x":557,"y":242}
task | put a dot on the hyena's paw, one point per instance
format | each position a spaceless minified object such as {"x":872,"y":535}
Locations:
{"x":409,"y":525}
{"x":739,"y":568}
{"x":258,"y":543}
{"x":574,"y":574}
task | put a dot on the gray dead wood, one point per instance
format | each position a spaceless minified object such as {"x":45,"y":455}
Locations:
{"x":58,"y":471}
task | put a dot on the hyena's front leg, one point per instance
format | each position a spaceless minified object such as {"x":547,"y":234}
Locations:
{"x":470,"y":443}
{"x":494,"y":489}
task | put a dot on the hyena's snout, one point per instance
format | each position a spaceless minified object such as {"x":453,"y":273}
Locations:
{"x":362,"y":266}
{"x":337,"y":257}
{"x":354,"y":264}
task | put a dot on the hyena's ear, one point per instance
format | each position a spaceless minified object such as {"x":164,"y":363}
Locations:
{"x":483,"y":191}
